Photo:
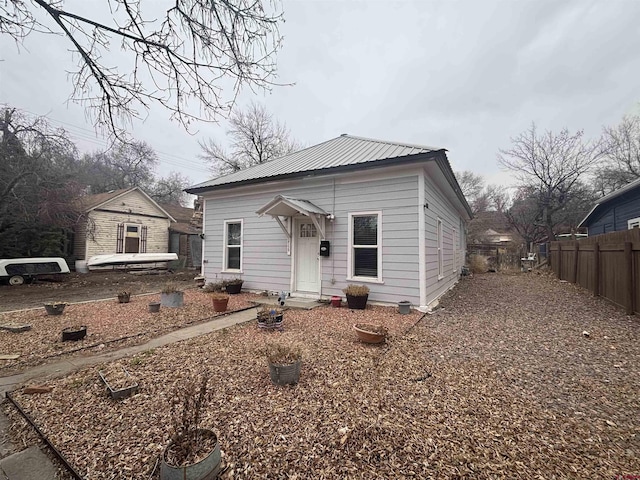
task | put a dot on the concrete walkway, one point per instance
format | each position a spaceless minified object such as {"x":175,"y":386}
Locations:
{"x":10,"y":466}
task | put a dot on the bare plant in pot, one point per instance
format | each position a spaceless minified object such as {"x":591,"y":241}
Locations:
{"x":284,"y":363}
{"x":124,"y":296}
{"x":357,"y":296}
{"x":220,"y":301}
{"x":233,"y":286}
{"x":55,"y":308}
{"x":171,"y":296}
{"x":193,"y":452}
{"x":270,"y":317}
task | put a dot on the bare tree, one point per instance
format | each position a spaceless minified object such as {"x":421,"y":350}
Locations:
{"x":552,"y":164}
{"x":170,"y":189}
{"x":194,"y":49}
{"x":621,"y":155}
{"x":124,"y":165}
{"x":38,"y":189}
{"x":255,"y":137}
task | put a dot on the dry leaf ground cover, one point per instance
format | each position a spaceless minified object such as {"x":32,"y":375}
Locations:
{"x":110,"y":325}
{"x":500,"y":383}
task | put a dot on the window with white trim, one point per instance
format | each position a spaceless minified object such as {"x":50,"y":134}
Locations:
{"x":232,"y":246}
{"x":440,"y":252}
{"x":365,"y":246}
{"x":633,"y":223}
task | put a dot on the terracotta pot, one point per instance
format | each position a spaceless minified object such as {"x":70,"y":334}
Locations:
{"x":220,"y":304}
{"x":357,"y":303}
{"x":367,"y":334}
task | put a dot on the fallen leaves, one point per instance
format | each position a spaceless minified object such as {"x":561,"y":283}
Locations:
{"x":496,"y":385}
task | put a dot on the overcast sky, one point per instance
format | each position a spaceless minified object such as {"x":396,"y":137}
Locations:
{"x":463,"y":75}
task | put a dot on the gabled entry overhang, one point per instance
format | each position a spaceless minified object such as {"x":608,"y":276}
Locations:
{"x":288,"y":207}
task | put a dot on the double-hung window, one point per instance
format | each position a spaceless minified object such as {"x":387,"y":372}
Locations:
{"x":365,"y":246}
{"x":232,"y":246}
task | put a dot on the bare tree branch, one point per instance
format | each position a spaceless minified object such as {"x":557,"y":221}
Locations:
{"x":186,"y":56}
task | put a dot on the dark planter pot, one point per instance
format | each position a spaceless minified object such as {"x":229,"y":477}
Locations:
{"x":154,"y":307}
{"x":357,"y":303}
{"x":120,"y":393}
{"x":206,"y":469}
{"x":72,"y":333}
{"x":220,"y":305}
{"x":285,"y":374}
{"x":367,"y":334}
{"x":54,"y":308}
{"x":122,"y":298}
{"x":336,"y":301}
{"x":267,"y":322}
{"x":173,"y":299}
{"x":234,"y":289}
{"x":404,"y":307}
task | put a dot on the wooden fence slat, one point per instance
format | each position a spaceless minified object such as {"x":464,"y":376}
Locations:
{"x":576,"y":248}
{"x":628,"y":260}
{"x":596,"y":270}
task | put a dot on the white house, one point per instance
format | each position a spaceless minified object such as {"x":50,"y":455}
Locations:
{"x":349,"y":210}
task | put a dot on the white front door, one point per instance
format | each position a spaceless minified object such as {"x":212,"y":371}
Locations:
{"x":307,"y":256}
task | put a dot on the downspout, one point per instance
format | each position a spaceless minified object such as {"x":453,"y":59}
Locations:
{"x":204,"y":238}
{"x":422,"y":243}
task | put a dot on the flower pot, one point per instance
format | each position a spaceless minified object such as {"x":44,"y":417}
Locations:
{"x":336,"y":301}
{"x":54,"y":308}
{"x":404,"y":307}
{"x":270,"y":322}
{"x":124,"y":297}
{"x":74,"y":333}
{"x":206,"y":469}
{"x":173,"y":299}
{"x":154,"y":307}
{"x":220,"y":305}
{"x":124,"y":386}
{"x":370,"y":333}
{"x":357,"y":303}
{"x":285,"y":374}
{"x":233,"y":288}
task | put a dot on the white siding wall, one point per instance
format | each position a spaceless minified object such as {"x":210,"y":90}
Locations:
{"x":133,"y":208}
{"x":266,"y":265}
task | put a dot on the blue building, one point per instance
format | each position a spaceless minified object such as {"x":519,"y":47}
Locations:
{"x":619,"y":210}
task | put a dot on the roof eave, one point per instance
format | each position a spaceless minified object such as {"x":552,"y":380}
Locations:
{"x":387,"y":162}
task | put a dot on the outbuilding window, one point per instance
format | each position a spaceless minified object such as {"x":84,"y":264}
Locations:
{"x":232,"y":246}
{"x":365,"y":246}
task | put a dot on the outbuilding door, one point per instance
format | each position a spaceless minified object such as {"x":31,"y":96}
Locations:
{"x":307,"y":260}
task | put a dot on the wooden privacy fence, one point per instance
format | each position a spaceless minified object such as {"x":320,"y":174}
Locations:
{"x":608,"y":265}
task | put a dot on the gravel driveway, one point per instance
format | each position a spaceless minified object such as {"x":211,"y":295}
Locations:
{"x":516,"y":376}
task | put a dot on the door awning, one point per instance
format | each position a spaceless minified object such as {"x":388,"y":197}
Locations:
{"x":281,"y":206}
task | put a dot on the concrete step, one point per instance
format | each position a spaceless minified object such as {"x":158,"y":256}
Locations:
{"x":29,"y":464}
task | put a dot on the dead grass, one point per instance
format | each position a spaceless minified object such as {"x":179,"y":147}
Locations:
{"x":500,"y":383}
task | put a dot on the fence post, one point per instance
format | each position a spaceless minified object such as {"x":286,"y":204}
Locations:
{"x":628,"y":260}
{"x":560,"y":261}
{"x":596,"y":270}
{"x":576,"y":249}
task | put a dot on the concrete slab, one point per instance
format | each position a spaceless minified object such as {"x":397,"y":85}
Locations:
{"x":6,"y":445}
{"x":292,"y":302}
{"x":29,"y":464}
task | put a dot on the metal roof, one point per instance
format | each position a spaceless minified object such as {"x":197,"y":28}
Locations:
{"x":345,"y":150}
{"x":607,"y":198}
